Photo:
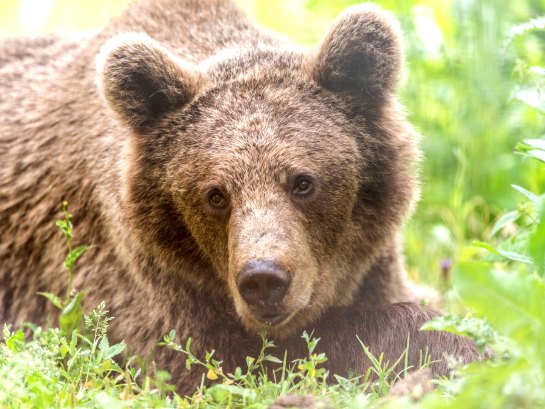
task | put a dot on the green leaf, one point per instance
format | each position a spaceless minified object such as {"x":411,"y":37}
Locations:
{"x":73,"y":256}
{"x":72,"y":315}
{"x":16,"y":341}
{"x":73,"y":342}
{"x":532,"y":97}
{"x":514,"y":303}
{"x":223,"y":392}
{"x":536,"y":154}
{"x":104,"y":345}
{"x":535,"y":199}
{"x":536,"y":143}
{"x":65,"y":227}
{"x":537,"y":244}
{"x":54,"y":299}
{"x":189,"y":361}
{"x":271,"y":358}
{"x":115,"y":350}
{"x":510,"y":255}
{"x":209,"y":355}
{"x":64,"y":349}
{"x":476,"y":328}
{"x":507,"y":218}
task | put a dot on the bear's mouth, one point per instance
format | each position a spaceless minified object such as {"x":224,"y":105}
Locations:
{"x":273,"y":318}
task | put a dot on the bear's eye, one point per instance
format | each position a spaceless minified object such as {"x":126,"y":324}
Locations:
{"x":303,"y":186}
{"x":216,"y":199}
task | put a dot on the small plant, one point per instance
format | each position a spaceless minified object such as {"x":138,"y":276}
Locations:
{"x":258,"y":385}
{"x":255,"y":384}
{"x":73,"y":365}
{"x":384,"y":374}
{"x":71,"y":307}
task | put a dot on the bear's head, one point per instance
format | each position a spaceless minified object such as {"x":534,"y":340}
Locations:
{"x":287,"y":171}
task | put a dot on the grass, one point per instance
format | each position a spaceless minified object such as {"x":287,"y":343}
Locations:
{"x":477,"y":97}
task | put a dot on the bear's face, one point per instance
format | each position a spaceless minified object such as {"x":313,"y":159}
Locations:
{"x":267,"y":187}
{"x":269,"y":161}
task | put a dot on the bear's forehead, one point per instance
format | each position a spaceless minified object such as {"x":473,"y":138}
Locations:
{"x":280,"y":123}
{"x":255,"y":150}
{"x":253,"y":136}
{"x":258,"y":153}
{"x":235,"y":63}
{"x":287,"y":107}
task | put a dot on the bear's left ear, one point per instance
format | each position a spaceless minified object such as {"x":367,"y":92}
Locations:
{"x":141,"y":81}
{"x":361,"y":53}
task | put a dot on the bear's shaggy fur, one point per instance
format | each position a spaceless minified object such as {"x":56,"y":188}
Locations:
{"x":190,"y":145}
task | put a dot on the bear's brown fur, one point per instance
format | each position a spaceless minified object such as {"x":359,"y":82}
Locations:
{"x":198,"y":147}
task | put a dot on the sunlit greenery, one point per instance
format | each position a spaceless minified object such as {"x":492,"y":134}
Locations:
{"x":473,"y":86}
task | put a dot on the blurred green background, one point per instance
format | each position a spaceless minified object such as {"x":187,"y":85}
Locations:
{"x":467,"y":71}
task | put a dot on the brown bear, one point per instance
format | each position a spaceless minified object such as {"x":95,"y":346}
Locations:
{"x":228,"y":180}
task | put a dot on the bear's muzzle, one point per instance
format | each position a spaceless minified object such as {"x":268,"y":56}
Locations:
{"x":263,"y":285}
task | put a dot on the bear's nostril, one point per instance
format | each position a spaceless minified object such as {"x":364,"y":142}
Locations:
{"x":251,"y":285}
{"x":274,"y":284}
{"x":263,"y":284}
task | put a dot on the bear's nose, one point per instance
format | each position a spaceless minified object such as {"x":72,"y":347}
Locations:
{"x":263,"y":284}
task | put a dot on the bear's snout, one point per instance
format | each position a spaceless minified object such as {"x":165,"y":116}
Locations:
{"x":263,"y":285}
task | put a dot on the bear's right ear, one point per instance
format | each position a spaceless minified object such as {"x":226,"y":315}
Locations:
{"x":361,"y":54}
{"x":141,"y":81}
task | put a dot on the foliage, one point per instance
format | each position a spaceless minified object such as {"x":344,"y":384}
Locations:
{"x":72,"y":365}
{"x":71,"y":307}
{"x":258,"y":385}
{"x":56,"y":370}
{"x":510,"y":292}
{"x":506,"y":286}
{"x":254,"y":386}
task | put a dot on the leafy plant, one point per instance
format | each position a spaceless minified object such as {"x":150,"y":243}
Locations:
{"x":255,"y":386}
{"x":73,"y":365}
{"x":505,"y":289}
{"x":71,"y":306}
